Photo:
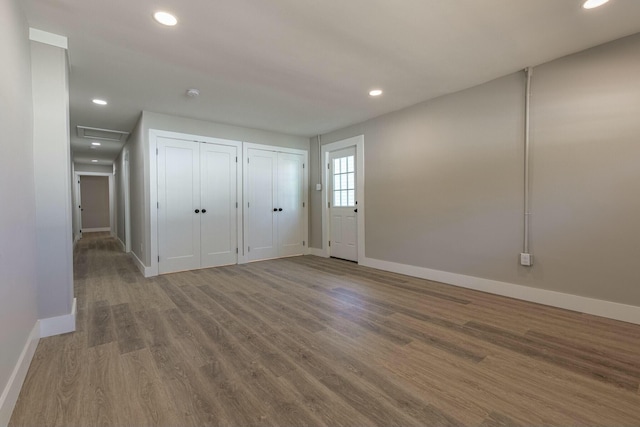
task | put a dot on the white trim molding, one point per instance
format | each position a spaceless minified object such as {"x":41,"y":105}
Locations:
{"x":318,"y":252}
{"x":146,"y":271}
{"x":60,"y":324}
{"x":10,"y":394}
{"x":96,"y":230}
{"x":611,"y":310}
{"x":48,"y":38}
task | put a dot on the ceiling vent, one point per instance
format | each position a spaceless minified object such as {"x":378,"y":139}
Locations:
{"x":102,"y":134}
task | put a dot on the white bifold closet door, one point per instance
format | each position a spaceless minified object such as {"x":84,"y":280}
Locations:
{"x":197,"y":225}
{"x":275,"y":204}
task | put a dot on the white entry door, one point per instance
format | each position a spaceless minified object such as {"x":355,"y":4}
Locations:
{"x":178,"y":205}
{"x":343,"y":204}
{"x":197,"y":195}
{"x":218,"y":213}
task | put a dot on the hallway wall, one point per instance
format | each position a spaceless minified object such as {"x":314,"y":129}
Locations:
{"x":18,"y":300}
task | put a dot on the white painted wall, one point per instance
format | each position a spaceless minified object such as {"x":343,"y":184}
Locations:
{"x":444,"y":178}
{"x":18,"y":301}
{"x":52,"y":168}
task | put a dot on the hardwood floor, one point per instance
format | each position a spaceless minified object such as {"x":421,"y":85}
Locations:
{"x":308,"y":341}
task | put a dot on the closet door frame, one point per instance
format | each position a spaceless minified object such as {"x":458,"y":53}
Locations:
{"x":152,"y":209}
{"x":243,"y":257}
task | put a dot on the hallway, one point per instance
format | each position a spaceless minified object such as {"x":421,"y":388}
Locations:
{"x":312,"y":341}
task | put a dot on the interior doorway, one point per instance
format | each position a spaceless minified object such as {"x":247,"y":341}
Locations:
{"x":95,"y":202}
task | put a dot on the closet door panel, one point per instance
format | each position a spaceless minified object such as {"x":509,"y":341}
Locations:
{"x":178,"y":199}
{"x":218,"y":203}
{"x":290,"y":196}
{"x":262,"y":229}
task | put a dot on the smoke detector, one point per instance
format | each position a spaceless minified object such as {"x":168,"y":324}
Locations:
{"x":192,"y":93}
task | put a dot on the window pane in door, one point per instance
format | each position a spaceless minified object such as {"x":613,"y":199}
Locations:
{"x":336,"y":182}
{"x":350,"y":164}
{"x":343,"y":164}
{"x":351,"y":198}
{"x":336,"y":166}
{"x":344,"y":200}
{"x":343,"y":181}
{"x":336,"y":199}
{"x":351,"y":178}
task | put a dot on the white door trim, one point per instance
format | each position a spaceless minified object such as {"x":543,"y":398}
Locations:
{"x":243,"y":257}
{"x":358,"y":142}
{"x":154,"y":134}
{"x":112,"y":211}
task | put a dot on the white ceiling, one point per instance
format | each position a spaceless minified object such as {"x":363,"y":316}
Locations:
{"x":302,"y":67}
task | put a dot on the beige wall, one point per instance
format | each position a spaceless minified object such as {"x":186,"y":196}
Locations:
{"x":18,"y":301}
{"x":94,"y":191}
{"x":444,"y":179}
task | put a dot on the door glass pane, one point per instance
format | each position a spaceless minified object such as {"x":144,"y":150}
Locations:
{"x":336,"y":166}
{"x":344,"y":182}
{"x":351,"y":185}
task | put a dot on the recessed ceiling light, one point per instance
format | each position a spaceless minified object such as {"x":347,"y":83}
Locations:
{"x":590,"y":4}
{"x":192,"y":93}
{"x":165,"y":18}
{"x":94,"y":161}
{"x":99,"y":101}
{"x":95,"y":143}
{"x":375,"y":92}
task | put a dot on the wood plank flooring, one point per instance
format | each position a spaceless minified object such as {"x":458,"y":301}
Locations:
{"x":308,"y":341}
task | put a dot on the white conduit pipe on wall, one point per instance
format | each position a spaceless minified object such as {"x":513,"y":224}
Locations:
{"x":528,"y":72}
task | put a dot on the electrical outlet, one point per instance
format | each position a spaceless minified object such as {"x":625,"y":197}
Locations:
{"x":526,"y":259}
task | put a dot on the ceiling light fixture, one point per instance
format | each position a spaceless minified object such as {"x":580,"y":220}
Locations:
{"x":192,"y":93}
{"x":375,"y":92}
{"x":99,"y":101}
{"x":94,"y":161}
{"x":165,"y":18}
{"x":95,"y":143}
{"x":591,"y":4}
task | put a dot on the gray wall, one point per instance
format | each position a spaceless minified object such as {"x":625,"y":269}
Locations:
{"x":18,"y":302}
{"x":94,"y":191}
{"x":120,"y":170}
{"x":52,"y":168}
{"x":138,"y":145}
{"x":444,"y":178}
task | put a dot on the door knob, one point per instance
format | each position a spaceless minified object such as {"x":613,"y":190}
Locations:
{"x":355,"y":210}
{"x":280,"y":210}
{"x":197,"y":210}
{"x":204,"y":211}
{"x":275,"y":209}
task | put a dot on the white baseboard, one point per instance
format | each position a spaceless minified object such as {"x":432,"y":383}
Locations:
{"x":60,"y":324}
{"x":318,"y":252}
{"x":10,"y":394}
{"x":146,"y":271}
{"x":95,"y":230}
{"x":121,"y":244}
{"x":611,"y":310}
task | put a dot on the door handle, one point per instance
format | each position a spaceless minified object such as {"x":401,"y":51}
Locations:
{"x":204,"y":211}
{"x":355,"y":210}
{"x":275,"y":209}
{"x":197,"y":210}
{"x":280,"y":210}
